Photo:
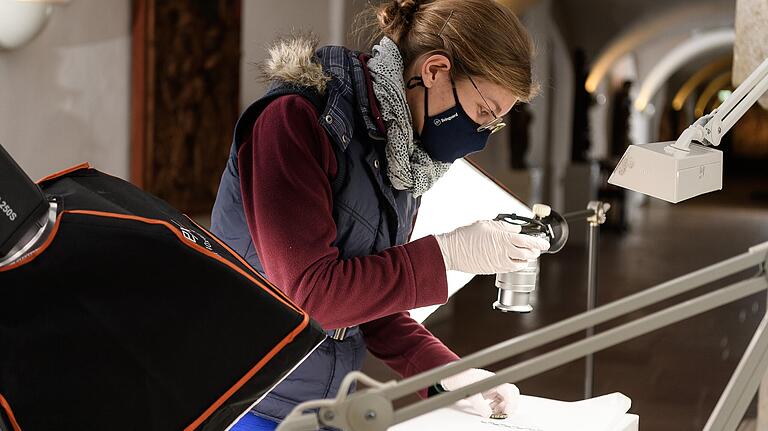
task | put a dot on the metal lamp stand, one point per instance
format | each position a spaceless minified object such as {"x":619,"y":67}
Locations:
{"x":595,"y":216}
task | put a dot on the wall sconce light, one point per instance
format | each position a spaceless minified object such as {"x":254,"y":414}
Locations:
{"x":22,"y":20}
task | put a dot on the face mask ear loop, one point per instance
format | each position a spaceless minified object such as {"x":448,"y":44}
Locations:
{"x":456,"y":95}
{"x":426,"y":105}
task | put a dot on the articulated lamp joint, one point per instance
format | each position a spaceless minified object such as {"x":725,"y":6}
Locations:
{"x":600,"y":209}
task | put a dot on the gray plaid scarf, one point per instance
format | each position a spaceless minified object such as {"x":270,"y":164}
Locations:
{"x":409,"y":167}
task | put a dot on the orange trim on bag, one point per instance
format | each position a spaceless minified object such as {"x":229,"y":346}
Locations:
{"x":287,"y":340}
{"x":33,"y":255}
{"x":7,"y":407}
{"x":237,"y":256}
{"x":286,"y":301}
{"x":85,"y":165}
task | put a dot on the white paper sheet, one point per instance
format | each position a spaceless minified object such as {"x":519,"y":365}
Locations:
{"x":605,"y":413}
{"x":461,"y":197}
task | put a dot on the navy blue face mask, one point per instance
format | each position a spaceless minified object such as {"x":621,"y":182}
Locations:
{"x":451,"y":134}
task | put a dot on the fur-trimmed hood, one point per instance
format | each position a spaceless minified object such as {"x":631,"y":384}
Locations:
{"x":291,"y":61}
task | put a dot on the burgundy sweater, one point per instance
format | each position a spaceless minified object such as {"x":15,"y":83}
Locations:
{"x":286,"y":168}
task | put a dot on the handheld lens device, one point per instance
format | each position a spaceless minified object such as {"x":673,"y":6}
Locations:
{"x":23,"y":209}
{"x":515,"y":288}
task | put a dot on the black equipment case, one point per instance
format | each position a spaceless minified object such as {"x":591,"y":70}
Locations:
{"x":133,"y":317}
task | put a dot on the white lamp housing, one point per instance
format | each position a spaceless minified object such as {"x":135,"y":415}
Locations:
{"x":21,"y":21}
{"x":675,"y":171}
{"x":664,"y":172}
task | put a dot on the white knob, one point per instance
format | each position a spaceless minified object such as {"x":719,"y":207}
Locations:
{"x":541,"y":210}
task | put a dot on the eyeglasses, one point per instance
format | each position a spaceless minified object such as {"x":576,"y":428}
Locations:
{"x":497,"y":123}
{"x":494,"y":125}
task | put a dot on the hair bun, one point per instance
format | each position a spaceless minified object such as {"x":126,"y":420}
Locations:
{"x":408,"y":8}
{"x":395,"y":18}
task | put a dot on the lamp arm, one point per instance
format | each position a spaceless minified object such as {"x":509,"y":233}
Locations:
{"x":710,"y":128}
{"x":372,"y":409}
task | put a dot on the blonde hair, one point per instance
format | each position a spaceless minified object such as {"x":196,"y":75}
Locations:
{"x":482,"y":38}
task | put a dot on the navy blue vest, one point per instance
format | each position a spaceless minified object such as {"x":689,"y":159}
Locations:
{"x":370,"y":215}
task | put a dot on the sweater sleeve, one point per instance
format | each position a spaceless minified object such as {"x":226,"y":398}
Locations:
{"x":285,"y":173}
{"x":405,"y":345}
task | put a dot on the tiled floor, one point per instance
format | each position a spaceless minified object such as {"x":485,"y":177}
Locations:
{"x":675,"y":375}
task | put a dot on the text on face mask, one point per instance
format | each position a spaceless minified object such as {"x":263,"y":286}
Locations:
{"x":439,"y":121}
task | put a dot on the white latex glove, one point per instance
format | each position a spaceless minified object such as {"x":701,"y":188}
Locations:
{"x":489,"y":247}
{"x":501,"y":399}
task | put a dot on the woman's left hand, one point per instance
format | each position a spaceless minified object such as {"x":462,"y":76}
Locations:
{"x":501,"y":399}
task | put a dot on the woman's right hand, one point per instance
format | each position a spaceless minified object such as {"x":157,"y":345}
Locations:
{"x":489,"y":247}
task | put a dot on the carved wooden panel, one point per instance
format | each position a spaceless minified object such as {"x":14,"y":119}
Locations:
{"x":186,"y":71}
